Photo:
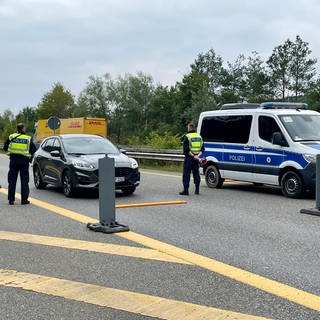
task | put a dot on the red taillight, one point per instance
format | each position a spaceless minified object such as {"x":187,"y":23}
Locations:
{"x":203,"y":161}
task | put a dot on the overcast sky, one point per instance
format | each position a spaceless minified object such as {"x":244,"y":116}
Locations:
{"x":48,"y":41}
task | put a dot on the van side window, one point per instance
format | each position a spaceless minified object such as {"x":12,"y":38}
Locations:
{"x":232,"y":129}
{"x":267,"y":126}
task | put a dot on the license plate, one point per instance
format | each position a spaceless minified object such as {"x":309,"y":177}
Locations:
{"x":119,"y":179}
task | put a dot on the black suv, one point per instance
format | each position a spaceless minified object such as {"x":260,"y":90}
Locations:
{"x":70,"y":161}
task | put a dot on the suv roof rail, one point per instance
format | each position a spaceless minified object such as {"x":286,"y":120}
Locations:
{"x":231,"y":106}
{"x":283,"y":105}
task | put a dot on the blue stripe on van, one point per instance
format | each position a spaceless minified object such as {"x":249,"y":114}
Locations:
{"x":268,"y":157}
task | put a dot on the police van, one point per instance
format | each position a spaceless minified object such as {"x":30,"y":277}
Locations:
{"x":269,"y":143}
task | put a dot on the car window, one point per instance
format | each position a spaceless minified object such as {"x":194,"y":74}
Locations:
{"x":48,"y":147}
{"x":56,"y":145}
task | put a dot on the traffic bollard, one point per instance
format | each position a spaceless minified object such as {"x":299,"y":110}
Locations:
{"x":315,"y":211}
{"x":107,"y":217}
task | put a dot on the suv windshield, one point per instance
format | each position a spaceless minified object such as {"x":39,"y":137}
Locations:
{"x":89,"y":145}
{"x":302,"y":127}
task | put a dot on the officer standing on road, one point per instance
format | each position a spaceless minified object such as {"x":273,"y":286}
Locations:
{"x":20,"y":148}
{"x":192,"y":149}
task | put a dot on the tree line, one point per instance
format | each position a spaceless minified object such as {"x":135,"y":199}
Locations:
{"x":140,"y":111}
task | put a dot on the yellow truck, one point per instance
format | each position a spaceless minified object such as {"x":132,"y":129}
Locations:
{"x":71,"y":125}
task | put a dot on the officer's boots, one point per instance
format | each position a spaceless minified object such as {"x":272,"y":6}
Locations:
{"x":185,"y":192}
{"x":197,"y":189}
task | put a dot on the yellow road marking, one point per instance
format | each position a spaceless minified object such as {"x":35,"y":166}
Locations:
{"x":271,"y":286}
{"x":147,"y":305}
{"x":148,"y":204}
{"x":161,"y":174}
{"x":100,"y":247}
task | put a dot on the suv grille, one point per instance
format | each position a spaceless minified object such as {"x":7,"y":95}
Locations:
{"x":122,"y":172}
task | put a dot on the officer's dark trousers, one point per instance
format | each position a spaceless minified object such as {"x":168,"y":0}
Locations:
{"x":18,"y":164}
{"x":190,"y":165}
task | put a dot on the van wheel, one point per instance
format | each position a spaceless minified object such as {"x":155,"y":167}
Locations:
{"x":39,"y":184}
{"x":291,"y":184}
{"x":213,"y":178}
{"x":67,"y":184}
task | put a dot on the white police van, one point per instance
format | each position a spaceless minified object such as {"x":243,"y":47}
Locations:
{"x":269,"y":143}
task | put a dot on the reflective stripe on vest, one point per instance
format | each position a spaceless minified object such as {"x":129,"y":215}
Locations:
{"x":195,"y":142}
{"x":19,"y":144}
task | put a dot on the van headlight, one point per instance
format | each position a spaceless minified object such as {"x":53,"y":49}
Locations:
{"x":82,"y":165}
{"x":134,"y":164}
{"x":310,"y":157}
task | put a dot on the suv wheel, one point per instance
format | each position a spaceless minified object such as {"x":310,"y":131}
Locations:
{"x":67,"y":184}
{"x":39,"y":184}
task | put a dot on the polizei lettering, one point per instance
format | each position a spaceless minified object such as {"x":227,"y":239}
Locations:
{"x":237,"y":158}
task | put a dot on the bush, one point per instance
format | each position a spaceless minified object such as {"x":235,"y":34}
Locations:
{"x":163,"y":141}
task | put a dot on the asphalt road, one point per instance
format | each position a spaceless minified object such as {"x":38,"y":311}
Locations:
{"x":251,"y":228}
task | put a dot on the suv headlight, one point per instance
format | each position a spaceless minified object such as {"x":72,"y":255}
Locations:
{"x":134,"y":164}
{"x":82,"y":165}
{"x":310,"y":157}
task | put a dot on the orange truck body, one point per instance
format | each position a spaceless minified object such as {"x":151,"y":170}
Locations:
{"x":96,"y":126}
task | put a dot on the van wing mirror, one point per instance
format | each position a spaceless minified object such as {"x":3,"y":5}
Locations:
{"x":278,"y":139}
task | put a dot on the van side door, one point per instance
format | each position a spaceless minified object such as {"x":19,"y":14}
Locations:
{"x":238,"y":149}
{"x":268,"y":156}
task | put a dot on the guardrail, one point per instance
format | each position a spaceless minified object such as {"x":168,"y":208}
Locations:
{"x":148,"y":153}
{"x":152,"y":154}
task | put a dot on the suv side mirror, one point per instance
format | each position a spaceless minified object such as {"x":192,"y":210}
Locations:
{"x":278,"y":139}
{"x":55,"y":153}
{"x":123,"y":151}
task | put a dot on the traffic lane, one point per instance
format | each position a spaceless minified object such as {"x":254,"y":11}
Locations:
{"x":186,"y":283}
{"x":173,"y":281}
{"x":258,"y":231}
{"x":241,"y":246}
{"x":289,"y":312}
{"x":17,"y":304}
{"x":34,"y":220}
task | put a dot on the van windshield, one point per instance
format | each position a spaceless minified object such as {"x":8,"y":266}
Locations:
{"x":302,"y":127}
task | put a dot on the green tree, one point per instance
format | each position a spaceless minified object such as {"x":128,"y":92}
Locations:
{"x":7,"y":124}
{"x":57,"y":102}
{"x":193,"y":95}
{"x":302,"y":68}
{"x":93,"y":99}
{"x":256,"y":80}
{"x":312,"y":96}
{"x":209,"y":64}
{"x":130,"y":97}
{"x":233,"y":81}
{"x":279,"y":65}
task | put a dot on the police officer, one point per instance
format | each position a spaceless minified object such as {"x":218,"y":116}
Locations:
{"x":20,"y":148}
{"x":192,"y":149}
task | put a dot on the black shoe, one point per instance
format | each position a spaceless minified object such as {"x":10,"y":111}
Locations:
{"x":184,"y":193}
{"x":11,"y":202}
{"x":25,"y":202}
{"x":197,"y":190}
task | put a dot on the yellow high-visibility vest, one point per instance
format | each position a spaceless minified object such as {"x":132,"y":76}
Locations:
{"x":195,"y":142}
{"x":19,"y":144}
